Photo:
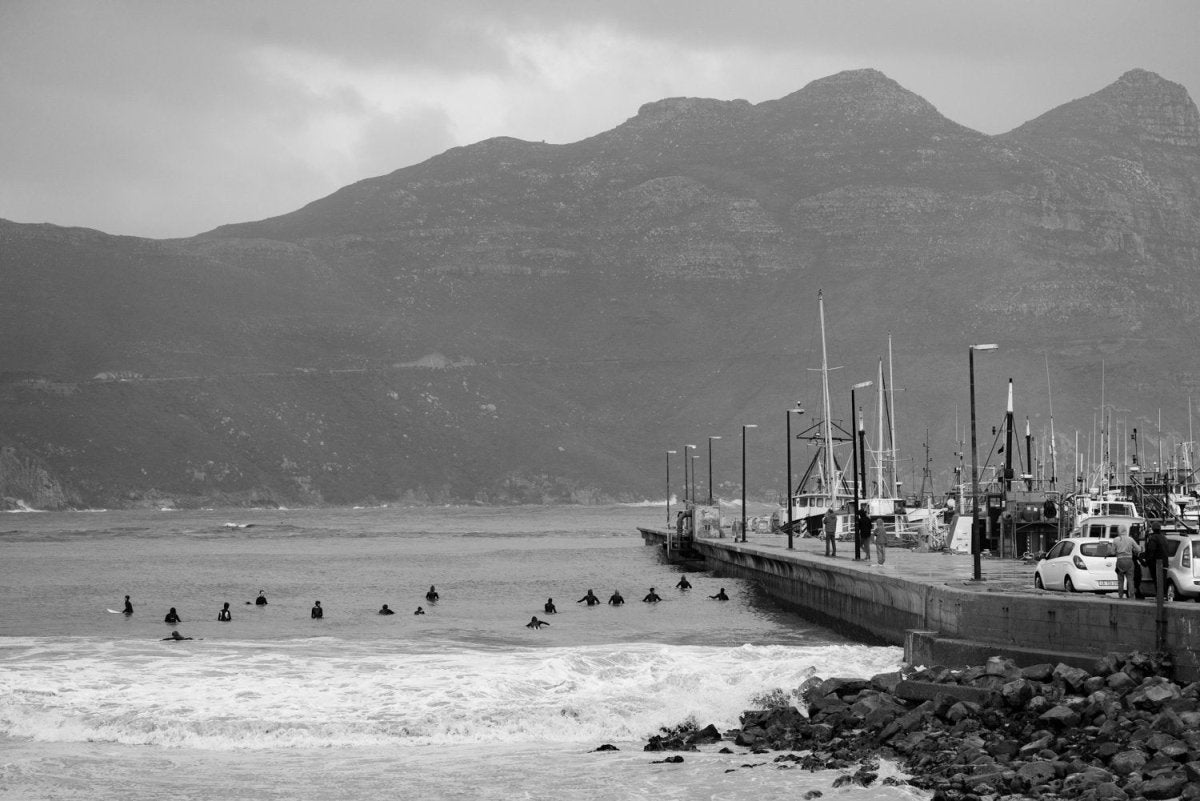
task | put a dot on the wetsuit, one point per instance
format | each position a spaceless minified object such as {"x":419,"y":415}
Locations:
{"x":652,"y":598}
{"x":591,"y":599}
{"x":317,"y":611}
{"x":128,"y":606}
{"x":224,"y":616}
{"x":616,"y":599}
{"x":172,"y":617}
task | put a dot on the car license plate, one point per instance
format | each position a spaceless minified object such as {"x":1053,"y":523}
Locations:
{"x":1103,"y":583}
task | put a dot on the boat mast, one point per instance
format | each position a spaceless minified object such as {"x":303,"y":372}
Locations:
{"x":830,"y":469}
{"x":1187,"y":454}
{"x":1008,"y":442}
{"x":880,"y":492}
{"x":1053,"y":443}
{"x":1028,"y":455}
{"x":891,"y":388}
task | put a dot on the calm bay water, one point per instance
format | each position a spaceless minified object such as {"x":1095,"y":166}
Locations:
{"x":462,"y":702}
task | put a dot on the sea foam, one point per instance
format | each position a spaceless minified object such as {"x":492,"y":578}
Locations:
{"x":335,"y":694}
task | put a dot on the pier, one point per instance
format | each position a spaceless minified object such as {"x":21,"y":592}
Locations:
{"x":927,"y":602}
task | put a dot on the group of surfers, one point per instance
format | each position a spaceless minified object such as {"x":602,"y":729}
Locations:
{"x":616,"y":599}
{"x":225,"y":615}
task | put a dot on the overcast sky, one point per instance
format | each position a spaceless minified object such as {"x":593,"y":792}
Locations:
{"x":161,"y":119}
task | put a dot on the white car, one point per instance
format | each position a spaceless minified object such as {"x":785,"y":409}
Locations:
{"x":1183,"y":569}
{"x":1078,"y":564}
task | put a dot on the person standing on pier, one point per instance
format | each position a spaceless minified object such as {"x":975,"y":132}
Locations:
{"x":862,"y":529}
{"x":830,"y":523}
{"x":879,"y":534}
{"x":1156,"y":557}
{"x":1125,"y":549}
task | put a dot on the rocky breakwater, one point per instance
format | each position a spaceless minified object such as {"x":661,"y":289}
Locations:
{"x":1122,"y":731}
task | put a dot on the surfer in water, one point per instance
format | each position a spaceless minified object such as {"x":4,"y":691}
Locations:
{"x":549,"y":608}
{"x":128,"y":606}
{"x":172,"y":617}
{"x":591,"y":599}
{"x":386,"y":611}
{"x":175,"y":635}
{"x":432,"y":595}
{"x":261,"y":600}
{"x":684,"y":584}
{"x":419,"y":611}
{"x":224,"y":616}
{"x":652,"y":597}
{"x":317,"y":611}
{"x":615,"y":599}
{"x":720,"y":596}
{"x":534,"y":623}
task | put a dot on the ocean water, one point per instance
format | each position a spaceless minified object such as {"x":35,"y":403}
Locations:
{"x":461,"y":702}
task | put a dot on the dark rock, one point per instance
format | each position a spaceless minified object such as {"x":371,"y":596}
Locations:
{"x":1072,"y":677}
{"x":709,"y":734}
{"x":1039,"y":673}
{"x":1005,"y":668}
{"x":1061,"y":715}
{"x":1164,"y":785}
{"x":607,"y":747}
{"x":1127,"y":762}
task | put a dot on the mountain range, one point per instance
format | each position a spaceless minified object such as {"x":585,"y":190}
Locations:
{"x":517,"y":321}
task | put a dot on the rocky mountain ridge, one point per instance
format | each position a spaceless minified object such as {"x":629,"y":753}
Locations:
{"x":515,"y":321}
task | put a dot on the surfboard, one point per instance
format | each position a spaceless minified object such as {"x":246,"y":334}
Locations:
{"x":114,"y":611}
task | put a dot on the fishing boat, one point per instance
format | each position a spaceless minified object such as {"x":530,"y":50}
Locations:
{"x":823,"y":485}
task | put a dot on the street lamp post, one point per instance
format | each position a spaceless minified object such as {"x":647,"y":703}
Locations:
{"x":710,"y":484}
{"x":976,"y":545}
{"x":858,"y":535}
{"x":744,"y":427}
{"x":687,"y":463}
{"x":669,"y":455}
{"x":695,"y":457}
{"x":787,"y":485}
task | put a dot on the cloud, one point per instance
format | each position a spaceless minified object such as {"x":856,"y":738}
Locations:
{"x":165,"y":119}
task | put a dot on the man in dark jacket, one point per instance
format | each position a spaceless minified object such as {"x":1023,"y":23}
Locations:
{"x":1156,"y":555}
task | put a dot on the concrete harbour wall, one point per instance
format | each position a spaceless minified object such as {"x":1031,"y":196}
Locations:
{"x":939,"y":621}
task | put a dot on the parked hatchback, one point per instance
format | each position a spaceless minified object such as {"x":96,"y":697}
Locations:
{"x":1078,"y":564}
{"x":1183,"y":570}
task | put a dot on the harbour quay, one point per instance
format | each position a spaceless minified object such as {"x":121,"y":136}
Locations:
{"x":928,"y":602}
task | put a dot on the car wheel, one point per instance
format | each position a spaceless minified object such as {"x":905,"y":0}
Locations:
{"x":1172,"y":593}
{"x":1069,"y":585}
{"x":1041,"y":585}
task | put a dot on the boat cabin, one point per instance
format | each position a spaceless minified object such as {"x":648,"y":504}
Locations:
{"x":1112,"y":526}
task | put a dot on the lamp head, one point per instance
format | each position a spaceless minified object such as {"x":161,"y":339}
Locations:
{"x":862,"y":384}
{"x":991,"y":346}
